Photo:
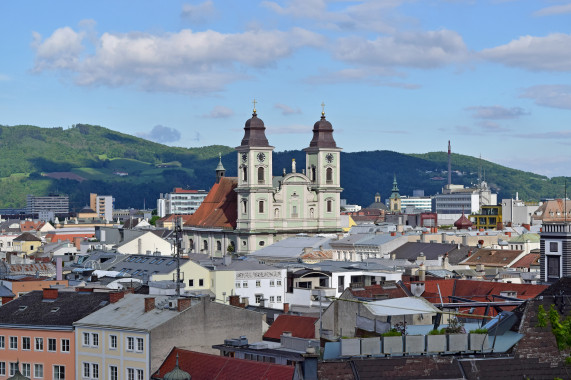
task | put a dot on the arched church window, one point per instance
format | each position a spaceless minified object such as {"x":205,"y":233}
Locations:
{"x":261,"y":206}
{"x":311,"y":213}
{"x":205,"y":245}
{"x":260,"y":175}
{"x":218,"y":245}
{"x":245,"y":173}
{"x":244,"y":206}
{"x":277,"y":212}
{"x":191,"y":244}
{"x":329,"y":205}
{"x":313,"y":176}
{"x":329,"y":175}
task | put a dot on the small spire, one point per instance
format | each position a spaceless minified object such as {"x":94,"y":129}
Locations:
{"x":322,"y":109}
{"x":254,"y":106}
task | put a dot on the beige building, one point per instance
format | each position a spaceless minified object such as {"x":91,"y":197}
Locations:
{"x":130,"y":338}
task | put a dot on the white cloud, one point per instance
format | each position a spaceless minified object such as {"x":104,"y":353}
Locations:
{"x":199,"y":13}
{"x":548,"y":53}
{"x":554,"y":10}
{"x":497,"y":112}
{"x":161,"y":134}
{"x":547,"y":135}
{"x":556,"y":96}
{"x":286,"y":110}
{"x":492,"y":127}
{"x":370,"y":15}
{"x":428,"y":49}
{"x":219,"y":112}
{"x":187,"y":61}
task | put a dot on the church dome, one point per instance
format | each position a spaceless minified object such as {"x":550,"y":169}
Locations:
{"x":177,"y":373}
{"x":255,"y":132}
{"x":322,"y":134}
{"x":463,"y":223}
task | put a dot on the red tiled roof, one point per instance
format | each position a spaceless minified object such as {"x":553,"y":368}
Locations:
{"x":493,"y":257}
{"x":28,"y":225}
{"x":300,"y":327}
{"x":219,"y":208}
{"x":180,"y":190}
{"x":202,"y":366}
{"x":527,"y":261}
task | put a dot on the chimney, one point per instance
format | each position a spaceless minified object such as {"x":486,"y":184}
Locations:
{"x":286,"y":307}
{"x":234,"y":300}
{"x":421,"y":273}
{"x":309,"y":364}
{"x":59,"y":269}
{"x":526,"y":226}
{"x":50,"y":294}
{"x":116,"y":296}
{"x":183,"y":304}
{"x":393,"y":233}
{"x":149,"y":304}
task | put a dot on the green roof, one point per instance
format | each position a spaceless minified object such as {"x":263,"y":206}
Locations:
{"x":533,"y":238}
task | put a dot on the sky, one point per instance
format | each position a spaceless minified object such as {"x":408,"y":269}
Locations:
{"x":492,"y":76}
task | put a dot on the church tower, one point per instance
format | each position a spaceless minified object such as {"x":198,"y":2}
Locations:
{"x":254,"y":184}
{"x":394,"y":200}
{"x":220,"y":171}
{"x":324,"y":172}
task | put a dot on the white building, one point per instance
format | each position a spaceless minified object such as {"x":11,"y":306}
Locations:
{"x":180,"y":202}
{"x":517,"y":212}
{"x":103,"y":205}
{"x":419,"y":203}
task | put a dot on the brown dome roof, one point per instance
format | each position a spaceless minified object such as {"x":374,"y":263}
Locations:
{"x":463,"y":223}
{"x":254,"y":132}
{"x":322,"y":134}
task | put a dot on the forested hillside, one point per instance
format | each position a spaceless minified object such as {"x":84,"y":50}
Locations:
{"x":87,"y":158}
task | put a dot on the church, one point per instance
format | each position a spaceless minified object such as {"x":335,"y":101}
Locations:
{"x":245,"y":213}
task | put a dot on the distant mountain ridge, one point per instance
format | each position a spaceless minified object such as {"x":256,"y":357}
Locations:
{"x":87,"y":158}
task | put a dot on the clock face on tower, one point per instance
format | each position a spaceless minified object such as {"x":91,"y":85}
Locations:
{"x":261,"y":157}
{"x":329,"y":158}
{"x":244,"y":157}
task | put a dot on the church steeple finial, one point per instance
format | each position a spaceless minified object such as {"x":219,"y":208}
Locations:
{"x":322,"y":109}
{"x":254,"y":101}
{"x":220,"y":171}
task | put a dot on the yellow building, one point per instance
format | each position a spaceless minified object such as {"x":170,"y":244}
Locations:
{"x":26,"y":243}
{"x":488,"y":218}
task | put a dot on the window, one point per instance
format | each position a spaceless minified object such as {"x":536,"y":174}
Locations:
{"x":205,"y":245}
{"x":13,"y":368}
{"x":39,"y":344}
{"x":130,"y":374}
{"x":279,"y":282}
{"x":130,"y":343}
{"x":52,"y":344}
{"x":201,"y":282}
{"x":140,"y":374}
{"x":237,"y":284}
{"x":218,"y":245}
{"x":86,"y":339}
{"x":95,"y":371}
{"x":65,"y":345}
{"x":329,"y":206}
{"x":86,"y":370}
{"x":272,"y":299}
{"x":2,"y":342}
{"x":13,"y":342}
{"x":113,"y":342}
{"x":2,"y":368}
{"x":113,"y":373}
{"x":191,"y":283}
{"x":140,"y":345}
{"x":261,"y":207}
{"x":259,"y":298}
{"x":279,"y":298}
{"x":26,"y":345}
{"x":260,"y":175}
{"x":26,"y":369}
{"x":244,"y":173}
{"x":38,"y":371}
{"x":553,"y":246}
{"x":329,"y":175}
{"x":258,"y":283}
{"x":272,"y":283}
{"x":245,"y":284}
{"x":244,"y":206}
{"x":94,"y":340}
{"x":59,"y":372}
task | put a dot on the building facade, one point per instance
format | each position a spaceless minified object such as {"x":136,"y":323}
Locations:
{"x":58,"y":204}
{"x":555,"y":250}
{"x":180,"y":202}
{"x":257,"y":208}
{"x":102,"y":205}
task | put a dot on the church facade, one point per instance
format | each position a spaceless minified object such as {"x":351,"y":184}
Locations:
{"x":256,"y":209}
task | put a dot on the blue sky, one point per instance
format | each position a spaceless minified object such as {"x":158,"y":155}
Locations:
{"x":493,"y":76}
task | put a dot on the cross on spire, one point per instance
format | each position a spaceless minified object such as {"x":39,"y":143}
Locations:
{"x":322,"y":108}
{"x":254,"y":104}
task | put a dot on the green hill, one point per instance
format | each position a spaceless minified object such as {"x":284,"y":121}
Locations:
{"x":87,"y":158}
